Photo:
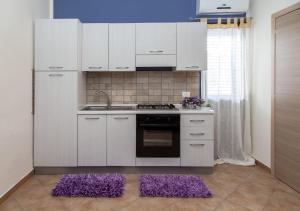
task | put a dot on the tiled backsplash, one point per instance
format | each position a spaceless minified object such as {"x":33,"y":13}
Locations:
{"x":141,"y":87}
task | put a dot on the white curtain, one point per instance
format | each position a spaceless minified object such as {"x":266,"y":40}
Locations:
{"x":228,"y":91}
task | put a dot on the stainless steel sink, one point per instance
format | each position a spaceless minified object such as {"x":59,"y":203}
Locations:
{"x":105,"y":108}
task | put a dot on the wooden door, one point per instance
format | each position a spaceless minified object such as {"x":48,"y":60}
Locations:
{"x":286,"y":97}
{"x":91,"y":140}
{"x":156,"y":38}
{"x":56,"y":44}
{"x":191,"y":46}
{"x":95,"y":47}
{"x":121,"y":138}
{"x":122,"y":47}
{"x":55,"y":121}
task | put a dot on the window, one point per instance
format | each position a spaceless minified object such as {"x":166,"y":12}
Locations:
{"x":223,"y":78}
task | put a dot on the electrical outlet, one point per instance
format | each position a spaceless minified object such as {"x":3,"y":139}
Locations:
{"x":186,"y":94}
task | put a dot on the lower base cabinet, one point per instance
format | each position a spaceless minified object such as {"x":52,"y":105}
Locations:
{"x":92,"y":140}
{"x":197,"y":153}
{"x":121,"y":140}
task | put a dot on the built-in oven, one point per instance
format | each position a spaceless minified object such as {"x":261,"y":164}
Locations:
{"x":158,"y":135}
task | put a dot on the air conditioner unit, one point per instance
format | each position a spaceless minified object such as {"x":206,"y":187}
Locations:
{"x":211,"y":7}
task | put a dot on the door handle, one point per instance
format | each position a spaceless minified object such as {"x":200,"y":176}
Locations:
{"x":120,"y":68}
{"x":194,"y":144}
{"x":92,"y":118}
{"x":119,"y":118}
{"x":192,"y":67}
{"x":197,"y":134}
{"x":56,"y":74}
{"x":197,"y":120}
{"x":95,"y":68}
{"x":55,"y":67}
{"x":156,"y":51}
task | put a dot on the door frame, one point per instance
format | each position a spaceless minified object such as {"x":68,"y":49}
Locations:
{"x":273,"y":46}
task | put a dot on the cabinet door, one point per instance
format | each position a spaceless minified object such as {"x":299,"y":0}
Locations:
{"x":92,"y":140}
{"x":156,"y":38}
{"x":121,"y":139}
{"x":95,"y":47}
{"x":191,"y":46}
{"x":55,"y":125}
{"x":56,"y":44}
{"x":122,"y":47}
{"x":197,"y":153}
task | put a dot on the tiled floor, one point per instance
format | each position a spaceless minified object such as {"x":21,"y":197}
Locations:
{"x":235,"y":188}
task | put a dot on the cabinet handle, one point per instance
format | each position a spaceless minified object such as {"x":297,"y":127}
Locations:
{"x":156,"y":51}
{"x":56,"y":74}
{"x":197,"y":134}
{"x":197,"y":120}
{"x":120,"y":117}
{"x":95,"y":68}
{"x":55,"y":67}
{"x":192,"y":67}
{"x":92,"y":118}
{"x":197,"y":144}
{"x":119,"y":68}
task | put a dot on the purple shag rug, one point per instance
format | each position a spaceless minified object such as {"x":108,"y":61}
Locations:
{"x":90,"y":185}
{"x":173,"y":186}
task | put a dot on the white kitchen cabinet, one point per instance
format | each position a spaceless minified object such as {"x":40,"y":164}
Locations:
{"x":191,"y":46}
{"x":95,"y":47}
{"x":197,"y":153}
{"x":91,"y":140}
{"x":57,"y":44}
{"x":122,"y":47}
{"x":55,"y":121}
{"x":121,"y":140}
{"x":156,"y":38}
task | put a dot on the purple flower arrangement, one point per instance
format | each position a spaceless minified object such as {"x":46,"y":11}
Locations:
{"x":192,"y":102}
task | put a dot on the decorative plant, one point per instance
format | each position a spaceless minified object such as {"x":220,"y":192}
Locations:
{"x":192,"y":102}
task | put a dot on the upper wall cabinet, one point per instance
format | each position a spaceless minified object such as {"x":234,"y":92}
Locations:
{"x":57,"y":44}
{"x":95,"y":47}
{"x":191,"y":46}
{"x":122,"y":47}
{"x":155,"y":38}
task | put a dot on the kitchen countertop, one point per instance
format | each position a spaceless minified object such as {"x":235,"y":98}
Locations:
{"x":203,"y":110}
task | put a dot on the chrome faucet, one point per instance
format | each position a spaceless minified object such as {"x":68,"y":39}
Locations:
{"x":108,"y":102}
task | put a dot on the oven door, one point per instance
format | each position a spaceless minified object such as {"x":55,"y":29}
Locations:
{"x":158,"y":139}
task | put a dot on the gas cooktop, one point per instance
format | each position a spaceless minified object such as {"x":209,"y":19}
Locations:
{"x":156,"y":107}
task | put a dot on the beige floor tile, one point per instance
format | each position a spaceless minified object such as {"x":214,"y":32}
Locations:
{"x":229,"y":206}
{"x":284,"y":200}
{"x":10,"y":205}
{"x":149,"y":204}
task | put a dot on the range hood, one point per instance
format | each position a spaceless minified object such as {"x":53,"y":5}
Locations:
{"x":155,"y":62}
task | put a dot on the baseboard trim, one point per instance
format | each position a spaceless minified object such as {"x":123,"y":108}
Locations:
{"x":16,"y":186}
{"x":260,"y":164}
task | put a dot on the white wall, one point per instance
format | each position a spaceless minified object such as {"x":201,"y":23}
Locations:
{"x":261,"y":11}
{"x":16,"y":63}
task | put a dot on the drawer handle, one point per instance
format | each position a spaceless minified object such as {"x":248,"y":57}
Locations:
{"x":192,"y":67}
{"x":197,"y":120}
{"x":95,"y":68}
{"x":198,"y":145}
{"x":92,"y":118}
{"x":55,"y":67}
{"x":122,"y":68}
{"x":120,"y":118}
{"x":56,"y":75}
{"x":156,"y":51}
{"x":197,"y":134}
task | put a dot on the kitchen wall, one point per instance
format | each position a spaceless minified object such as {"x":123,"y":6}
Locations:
{"x":120,"y":11}
{"x":142,"y":87}
{"x":261,"y":11}
{"x":16,"y":63}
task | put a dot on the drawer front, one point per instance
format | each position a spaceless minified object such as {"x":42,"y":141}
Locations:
{"x":197,"y":153}
{"x":193,"y":120}
{"x":197,"y":133}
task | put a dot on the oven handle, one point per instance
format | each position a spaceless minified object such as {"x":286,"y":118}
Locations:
{"x":158,"y":125}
